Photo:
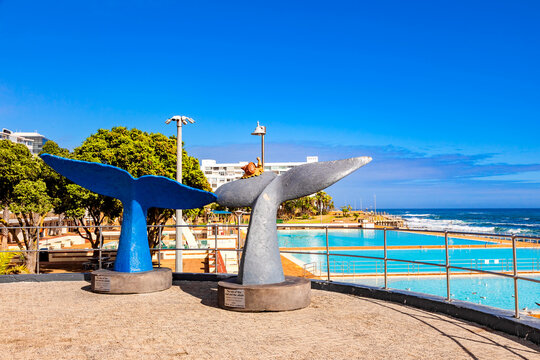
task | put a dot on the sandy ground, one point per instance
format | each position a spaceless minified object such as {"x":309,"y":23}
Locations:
{"x":64,"y":320}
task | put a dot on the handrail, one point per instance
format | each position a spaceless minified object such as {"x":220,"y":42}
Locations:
{"x":327,"y":249}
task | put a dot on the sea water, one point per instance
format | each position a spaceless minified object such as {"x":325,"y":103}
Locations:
{"x":508,"y":221}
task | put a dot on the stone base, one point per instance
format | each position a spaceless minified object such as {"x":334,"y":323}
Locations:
{"x":115,"y":282}
{"x":292,"y":294}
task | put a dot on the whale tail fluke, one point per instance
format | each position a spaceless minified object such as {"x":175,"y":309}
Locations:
{"x":261,"y":260}
{"x":310,"y":178}
{"x":137,"y":195}
{"x":148,"y":190}
{"x":100,"y":178}
{"x":161,"y":192}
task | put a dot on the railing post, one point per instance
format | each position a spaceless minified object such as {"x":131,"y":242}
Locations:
{"x":238,"y":255}
{"x":516,"y":300}
{"x":37,"y":251}
{"x":239,"y":239}
{"x":327,"y":255}
{"x":160,"y":234}
{"x":216,"y":248}
{"x":100,"y":247}
{"x":447,"y":263}
{"x":385,"y":263}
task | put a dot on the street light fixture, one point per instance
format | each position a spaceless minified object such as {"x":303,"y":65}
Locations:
{"x":180,"y":120}
{"x":260,"y":131}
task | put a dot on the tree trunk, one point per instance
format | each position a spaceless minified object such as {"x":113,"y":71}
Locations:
{"x":30,"y":257}
{"x":31,"y":262}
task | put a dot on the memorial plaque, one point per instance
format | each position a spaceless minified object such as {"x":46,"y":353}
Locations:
{"x":102,"y":283}
{"x":235,"y":298}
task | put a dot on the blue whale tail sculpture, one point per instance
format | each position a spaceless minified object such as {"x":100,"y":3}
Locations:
{"x":137,"y":196}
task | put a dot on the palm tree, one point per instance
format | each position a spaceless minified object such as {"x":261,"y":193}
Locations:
{"x":323,"y":202}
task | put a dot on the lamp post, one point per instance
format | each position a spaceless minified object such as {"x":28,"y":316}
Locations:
{"x":180,"y":120}
{"x":239,"y":214}
{"x":260,"y":131}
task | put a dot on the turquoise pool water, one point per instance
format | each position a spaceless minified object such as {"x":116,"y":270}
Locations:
{"x":495,"y":259}
{"x":360,"y":237}
{"x":487,"y":290}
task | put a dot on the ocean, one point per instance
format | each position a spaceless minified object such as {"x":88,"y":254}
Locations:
{"x":501,"y":221}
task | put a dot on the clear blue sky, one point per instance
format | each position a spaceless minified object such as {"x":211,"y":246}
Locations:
{"x":445,"y":95}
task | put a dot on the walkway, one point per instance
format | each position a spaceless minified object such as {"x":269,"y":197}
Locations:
{"x":63,"y":320}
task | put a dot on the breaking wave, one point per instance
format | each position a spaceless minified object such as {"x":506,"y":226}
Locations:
{"x":524,"y":222}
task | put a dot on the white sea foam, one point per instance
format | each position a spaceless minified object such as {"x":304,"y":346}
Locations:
{"x":514,"y":224}
{"x":415,"y":215}
{"x":421,"y":221}
{"x":442,"y":225}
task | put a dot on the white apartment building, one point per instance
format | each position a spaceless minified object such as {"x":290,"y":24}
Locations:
{"x":34,"y":141}
{"x":219,"y":174}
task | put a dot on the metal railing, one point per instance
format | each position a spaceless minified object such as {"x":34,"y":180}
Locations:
{"x":445,"y":267}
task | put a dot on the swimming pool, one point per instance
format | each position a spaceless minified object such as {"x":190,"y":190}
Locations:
{"x":493,"y":259}
{"x":363,"y":237}
{"x":487,"y":290}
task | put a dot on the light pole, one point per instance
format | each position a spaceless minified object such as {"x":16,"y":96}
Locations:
{"x":260,"y":131}
{"x":239,"y":214}
{"x":180,"y":120}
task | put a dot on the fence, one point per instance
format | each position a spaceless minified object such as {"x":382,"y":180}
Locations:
{"x":210,"y":235}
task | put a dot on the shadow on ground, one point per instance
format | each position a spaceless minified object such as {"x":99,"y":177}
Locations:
{"x":87,"y":288}
{"x":431,"y":319}
{"x":207,"y":294}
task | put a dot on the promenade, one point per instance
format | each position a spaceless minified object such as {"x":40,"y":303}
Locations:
{"x":64,"y":320}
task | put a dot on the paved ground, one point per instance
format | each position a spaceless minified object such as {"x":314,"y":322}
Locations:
{"x":64,"y":320}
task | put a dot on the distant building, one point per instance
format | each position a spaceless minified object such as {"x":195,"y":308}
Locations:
{"x":219,"y":174}
{"x":33,"y":140}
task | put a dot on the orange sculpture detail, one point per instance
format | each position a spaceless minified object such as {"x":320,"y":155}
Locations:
{"x":251,"y":169}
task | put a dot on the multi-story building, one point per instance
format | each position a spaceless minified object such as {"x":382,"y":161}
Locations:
{"x":34,"y":141}
{"x":219,"y":174}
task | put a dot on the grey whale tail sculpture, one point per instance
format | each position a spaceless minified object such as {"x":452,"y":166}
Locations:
{"x":137,"y":196}
{"x":261,"y":261}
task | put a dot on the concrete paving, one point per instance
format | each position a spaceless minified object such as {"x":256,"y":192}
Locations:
{"x":65,"y":320}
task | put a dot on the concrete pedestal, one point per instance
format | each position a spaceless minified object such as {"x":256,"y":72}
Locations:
{"x":115,"y":282}
{"x":292,"y":294}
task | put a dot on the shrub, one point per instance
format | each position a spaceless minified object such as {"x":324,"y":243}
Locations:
{"x":7,"y":268}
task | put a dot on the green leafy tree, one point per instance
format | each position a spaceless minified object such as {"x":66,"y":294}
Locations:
{"x":142,"y":153}
{"x":346,"y":210}
{"x":30,"y":203}
{"x":323,"y":202}
{"x":16,"y":164}
{"x":306,"y":206}
{"x":24,"y":193}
